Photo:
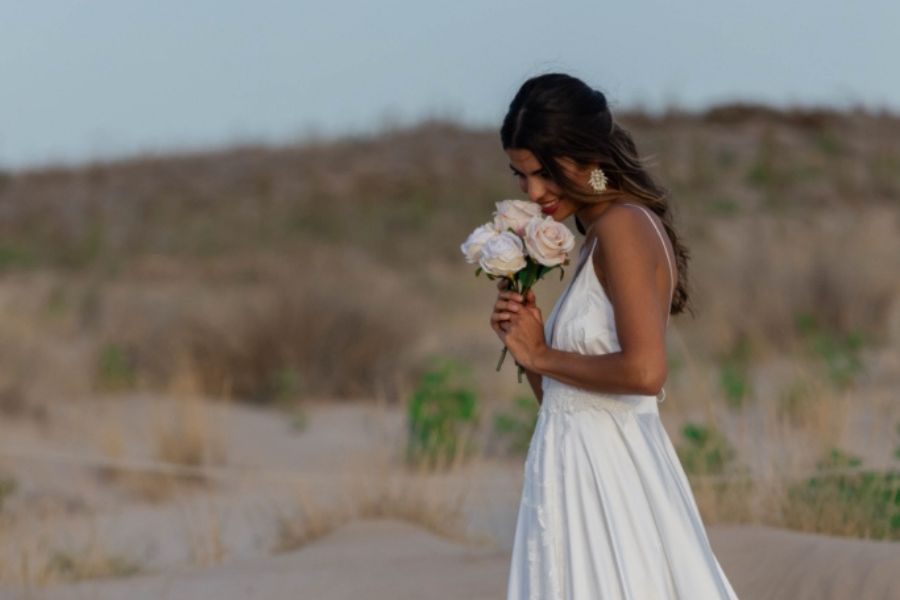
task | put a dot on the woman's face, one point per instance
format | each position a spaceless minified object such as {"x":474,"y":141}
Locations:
{"x":535,"y":181}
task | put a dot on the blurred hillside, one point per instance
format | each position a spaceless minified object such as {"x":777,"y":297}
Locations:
{"x":391,"y":193}
{"x":273,"y":272}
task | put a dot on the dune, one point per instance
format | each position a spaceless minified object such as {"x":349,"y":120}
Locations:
{"x":371,"y":559}
{"x":381,"y":559}
{"x":766,"y":563}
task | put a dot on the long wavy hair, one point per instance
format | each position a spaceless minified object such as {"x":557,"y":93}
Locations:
{"x":557,"y":115}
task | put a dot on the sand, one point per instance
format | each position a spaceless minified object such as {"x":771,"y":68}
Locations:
{"x":392,"y":560}
{"x":365,"y":558}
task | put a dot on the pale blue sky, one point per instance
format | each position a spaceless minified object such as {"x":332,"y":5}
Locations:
{"x":82,"y":80}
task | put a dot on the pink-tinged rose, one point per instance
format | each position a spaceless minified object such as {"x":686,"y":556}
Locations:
{"x":548,"y":241}
{"x":515,"y":214}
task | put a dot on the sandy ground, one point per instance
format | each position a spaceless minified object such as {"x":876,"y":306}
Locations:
{"x":217,"y":542}
{"x":393,"y":560}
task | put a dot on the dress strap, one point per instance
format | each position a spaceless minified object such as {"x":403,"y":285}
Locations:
{"x":646,"y":211}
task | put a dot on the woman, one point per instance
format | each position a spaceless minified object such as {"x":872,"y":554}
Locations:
{"x":606,"y":510}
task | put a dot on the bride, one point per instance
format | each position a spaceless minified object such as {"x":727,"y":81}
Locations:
{"x":606,"y":510}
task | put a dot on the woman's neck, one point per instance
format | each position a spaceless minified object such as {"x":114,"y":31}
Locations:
{"x":589,"y":213}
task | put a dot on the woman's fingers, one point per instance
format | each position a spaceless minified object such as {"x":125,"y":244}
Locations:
{"x":509,"y":302}
{"x":504,"y":311}
{"x":512,"y":296}
{"x":500,"y":322}
{"x":507,"y":305}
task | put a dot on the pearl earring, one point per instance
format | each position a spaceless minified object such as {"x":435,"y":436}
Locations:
{"x":598,"y":180}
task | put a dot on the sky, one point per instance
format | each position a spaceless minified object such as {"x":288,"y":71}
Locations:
{"x":88,"y":80}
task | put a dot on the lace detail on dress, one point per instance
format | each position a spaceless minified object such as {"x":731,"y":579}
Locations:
{"x":562,"y":398}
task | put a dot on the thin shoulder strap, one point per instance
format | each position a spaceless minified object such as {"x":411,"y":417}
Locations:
{"x":646,"y":212}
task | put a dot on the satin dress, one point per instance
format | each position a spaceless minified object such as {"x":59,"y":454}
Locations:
{"x":606,"y":511}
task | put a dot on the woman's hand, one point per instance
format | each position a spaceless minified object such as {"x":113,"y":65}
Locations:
{"x":507,"y":303}
{"x":518,"y":322}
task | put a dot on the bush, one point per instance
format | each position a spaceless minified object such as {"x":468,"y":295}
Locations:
{"x":7,"y":487}
{"x":116,"y":368}
{"x":706,"y":451}
{"x":733,"y":375}
{"x":863,"y":504}
{"x":838,"y":459}
{"x":442,"y":414}
{"x":897,"y":449}
{"x":514,"y":429}
{"x":839,"y":351}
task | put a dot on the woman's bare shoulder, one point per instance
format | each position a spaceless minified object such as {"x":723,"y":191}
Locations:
{"x":622,"y":224}
{"x":626,"y":241}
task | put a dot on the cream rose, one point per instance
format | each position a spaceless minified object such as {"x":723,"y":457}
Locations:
{"x":471,"y":248}
{"x":548,"y":241}
{"x":515,"y":214}
{"x":503,"y":254}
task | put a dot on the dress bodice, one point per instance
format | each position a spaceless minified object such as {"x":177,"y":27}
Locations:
{"x":583,"y":319}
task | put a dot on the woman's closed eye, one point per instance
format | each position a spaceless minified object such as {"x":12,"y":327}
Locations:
{"x":542,"y":174}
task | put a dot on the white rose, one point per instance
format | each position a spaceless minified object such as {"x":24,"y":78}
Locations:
{"x":503,"y":254}
{"x":515,"y":214}
{"x":471,"y":248}
{"x":548,"y":241}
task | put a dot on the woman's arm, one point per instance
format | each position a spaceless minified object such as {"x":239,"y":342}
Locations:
{"x":611,"y":373}
{"x":627,"y":254}
{"x":535,"y":380}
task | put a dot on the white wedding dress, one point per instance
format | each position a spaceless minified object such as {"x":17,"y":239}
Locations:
{"x":606,"y":511}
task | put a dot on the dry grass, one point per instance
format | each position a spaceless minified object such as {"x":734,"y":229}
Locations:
{"x":422,"y":497}
{"x":308,"y":520}
{"x":144,"y":485}
{"x":185,"y":432}
{"x":189,"y":433}
{"x":46,"y":557}
{"x":203,"y":527}
{"x":280,"y":276}
{"x":792,"y":417}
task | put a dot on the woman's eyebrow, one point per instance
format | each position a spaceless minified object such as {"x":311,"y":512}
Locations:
{"x":515,"y":170}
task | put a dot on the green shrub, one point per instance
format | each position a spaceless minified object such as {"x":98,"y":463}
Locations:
{"x":734,"y":383}
{"x":866,"y":504}
{"x":7,"y":487}
{"x":734,"y":379}
{"x":78,"y":566}
{"x":514,"y":428}
{"x":285,"y":385}
{"x":441,"y":415}
{"x":116,"y":368}
{"x":15,"y":257}
{"x":794,"y":401}
{"x":840,"y":352}
{"x":897,"y":449}
{"x":705,"y":450}
{"x":838,"y":459}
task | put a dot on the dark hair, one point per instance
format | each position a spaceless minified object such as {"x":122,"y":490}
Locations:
{"x":557,"y":115}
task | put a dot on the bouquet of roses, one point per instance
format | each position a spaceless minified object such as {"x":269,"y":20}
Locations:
{"x":521,"y":245}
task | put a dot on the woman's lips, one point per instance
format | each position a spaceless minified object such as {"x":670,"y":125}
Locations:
{"x":549,"y":209}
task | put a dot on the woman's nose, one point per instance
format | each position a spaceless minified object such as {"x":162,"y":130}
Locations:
{"x":535,"y":190}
